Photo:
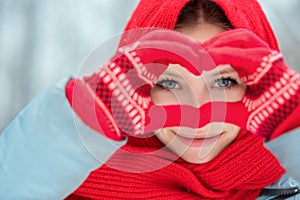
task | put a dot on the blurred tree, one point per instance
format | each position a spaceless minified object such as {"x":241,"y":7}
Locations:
{"x":285,"y":19}
{"x":42,"y":41}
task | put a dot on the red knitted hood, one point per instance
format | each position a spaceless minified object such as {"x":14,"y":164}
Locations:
{"x":164,"y":13}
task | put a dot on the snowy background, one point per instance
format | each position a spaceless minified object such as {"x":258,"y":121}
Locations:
{"x":43,"y":41}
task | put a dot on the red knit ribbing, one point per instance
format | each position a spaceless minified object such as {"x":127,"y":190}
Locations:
{"x":153,"y":14}
{"x":239,"y":172}
{"x":156,"y":13}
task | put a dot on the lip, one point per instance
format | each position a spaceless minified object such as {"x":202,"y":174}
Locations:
{"x":200,"y":140}
{"x":198,"y":136}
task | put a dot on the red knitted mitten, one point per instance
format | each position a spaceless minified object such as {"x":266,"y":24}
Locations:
{"x":116,"y":101}
{"x":272,"y":92}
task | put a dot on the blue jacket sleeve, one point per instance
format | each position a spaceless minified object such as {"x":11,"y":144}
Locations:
{"x":286,"y":148}
{"x":47,"y":152}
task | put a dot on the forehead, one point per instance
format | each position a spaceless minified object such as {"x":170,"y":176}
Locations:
{"x":202,"y":32}
{"x":176,"y":70}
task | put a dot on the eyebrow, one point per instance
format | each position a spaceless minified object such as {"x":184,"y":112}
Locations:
{"x":172,"y":74}
{"x":221,"y":69}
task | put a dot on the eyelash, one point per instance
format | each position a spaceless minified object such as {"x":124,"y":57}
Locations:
{"x":160,"y":83}
{"x":231,"y":80}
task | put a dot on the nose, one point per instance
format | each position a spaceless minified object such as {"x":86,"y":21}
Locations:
{"x":200,"y":92}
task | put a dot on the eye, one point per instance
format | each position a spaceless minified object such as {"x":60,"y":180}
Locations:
{"x":225,"y":83}
{"x":168,"y":84}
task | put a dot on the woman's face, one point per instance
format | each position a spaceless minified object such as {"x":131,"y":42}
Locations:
{"x":178,"y":86}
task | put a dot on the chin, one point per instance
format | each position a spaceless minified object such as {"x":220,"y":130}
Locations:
{"x":196,"y":156}
{"x":197,"y":151}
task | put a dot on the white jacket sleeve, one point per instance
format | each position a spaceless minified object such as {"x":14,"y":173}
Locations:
{"x":47,"y":152}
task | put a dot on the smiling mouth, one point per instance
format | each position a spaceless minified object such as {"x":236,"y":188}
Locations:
{"x":198,"y":140}
{"x":197,"y":136}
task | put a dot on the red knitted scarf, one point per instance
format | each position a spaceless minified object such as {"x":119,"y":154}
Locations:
{"x":240,"y":171}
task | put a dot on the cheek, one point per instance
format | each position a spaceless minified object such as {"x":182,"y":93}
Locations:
{"x":233,"y":94}
{"x":237,"y":93}
{"x":164,"y":135}
{"x":163,"y":97}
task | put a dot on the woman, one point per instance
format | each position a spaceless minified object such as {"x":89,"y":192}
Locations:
{"x":209,"y":145}
{"x":235,"y":165}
